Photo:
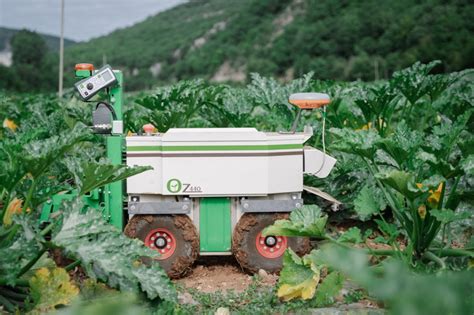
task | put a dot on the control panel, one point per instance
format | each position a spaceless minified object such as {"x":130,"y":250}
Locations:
{"x":101,"y":79}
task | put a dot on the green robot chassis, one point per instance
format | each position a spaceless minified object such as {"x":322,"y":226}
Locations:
{"x":211,"y":191}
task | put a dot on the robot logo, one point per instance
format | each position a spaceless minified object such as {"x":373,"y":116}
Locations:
{"x":174,"y":185}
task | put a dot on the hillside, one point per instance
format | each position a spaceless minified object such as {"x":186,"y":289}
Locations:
{"x":51,"y":41}
{"x":225,"y":40}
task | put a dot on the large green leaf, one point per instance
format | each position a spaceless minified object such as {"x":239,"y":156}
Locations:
{"x":177,"y":105}
{"x":447,"y":215}
{"x":467,"y":165}
{"x":389,"y":229}
{"x":446,"y":135}
{"x":358,"y":142}
{"x":13,"y":167}
{"x":352,"y":235}
{"x":16,"y":254}
{"x":402,"y":144}
{"x":403,"y":182}
{"x":329,"y":288}
{"x":413,"y":82}
{"x":368,"y":203}
{"x":402,"y":290}
{"x":116,"y":303}
{"x":378,"y":105}
{"x":90,"y":175}
{"x":110,"y":256}
{"x":306,"y":221}
{"x":42,"y":153}
{"x":298,"y":278}
{"x":50,"y":288}
{"x":439,"y":83}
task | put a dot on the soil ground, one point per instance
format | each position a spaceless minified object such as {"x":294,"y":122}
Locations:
{"x":221,"y":273}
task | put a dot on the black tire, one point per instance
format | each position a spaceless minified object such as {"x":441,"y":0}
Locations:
{"x":183,"y":230}
{"x":244,"y":247}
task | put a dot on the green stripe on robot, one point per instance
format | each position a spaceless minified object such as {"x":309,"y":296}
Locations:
{"x":144,"y":148}
{"x":214,"y":147}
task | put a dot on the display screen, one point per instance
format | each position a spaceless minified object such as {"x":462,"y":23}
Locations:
{"x":107,"y":76}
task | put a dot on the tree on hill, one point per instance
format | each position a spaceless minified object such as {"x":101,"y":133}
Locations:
{"x":28,"y":48}
{"x":29,"y":71}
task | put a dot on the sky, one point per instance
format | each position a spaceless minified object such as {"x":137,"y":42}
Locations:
{"x":84,"y":19}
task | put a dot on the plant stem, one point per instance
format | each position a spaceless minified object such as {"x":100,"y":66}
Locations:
{"x":31,"y":263}
{"x":30,"y":195}
{"x":11,"y":234}
{"x":375,"y":252}
{"x":14,"y":295}
{"x":72,"y":265}
{"x":452,"y":192}
{"x":453,"y":252}
{"x":388,"y":196}
{"x":4,"y":191}
{"x":416,"y":235}
{"x":5,"y":204}
{"x":17,"y":282}
{"x":429,"y":255}
{"x":48,"y":228}
{"x":382,"y":252}
{"x":333,"y":240}
{"x":394,"y":242}
{"x":405,"y":105}
{"x":8,"y":305}
{"x":443,"y":238}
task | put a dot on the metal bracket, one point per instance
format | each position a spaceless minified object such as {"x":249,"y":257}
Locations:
{"x":296,"y":121}
{"x":285,"y":205}
{"x":162,"y":207}
{"x":335,"y":204}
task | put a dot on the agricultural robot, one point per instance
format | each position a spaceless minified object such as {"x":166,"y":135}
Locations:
{"x":211,"y":190}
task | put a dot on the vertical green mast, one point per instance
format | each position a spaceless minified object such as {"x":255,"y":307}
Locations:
{"x":112,"y":193}
{"x":109,"y":199}
{"x":116,"y":94}
{"x":113,"y":197}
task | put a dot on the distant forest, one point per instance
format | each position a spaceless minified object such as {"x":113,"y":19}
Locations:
{"x":221,"y":40}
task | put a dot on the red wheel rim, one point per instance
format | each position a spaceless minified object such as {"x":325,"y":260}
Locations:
{"x":271,"y":246}
{"x":163,"y":241}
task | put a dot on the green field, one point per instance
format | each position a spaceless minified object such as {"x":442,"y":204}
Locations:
{"x":404,"y":175}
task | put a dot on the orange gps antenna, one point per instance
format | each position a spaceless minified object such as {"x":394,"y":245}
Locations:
{"x":83,"y":70}
{"x":307,"y":101}
{"x":84,"y":66}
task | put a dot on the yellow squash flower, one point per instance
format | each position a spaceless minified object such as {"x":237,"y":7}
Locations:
{"x":14,"y":207}
{"x":422,"y":211}
{"x":435,"y":196}
{"x":9,"y":124}
{"x":366,"y":126}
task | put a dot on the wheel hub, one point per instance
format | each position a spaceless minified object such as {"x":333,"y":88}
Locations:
{"x":271,"y":246}
{"x":163,"y":241}
{"x":160,"y":242}
{"x":270,"y":241}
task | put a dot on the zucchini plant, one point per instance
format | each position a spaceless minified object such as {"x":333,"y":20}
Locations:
{"x":411,"y":139}
{"x":420,"y":171}
{"x":34,"y":165}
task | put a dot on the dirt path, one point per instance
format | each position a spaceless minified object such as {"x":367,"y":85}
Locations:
{"x":211,"y":274}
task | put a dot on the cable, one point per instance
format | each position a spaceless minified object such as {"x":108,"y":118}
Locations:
{"x":323,"y":139}
{"x":110,"y":107}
